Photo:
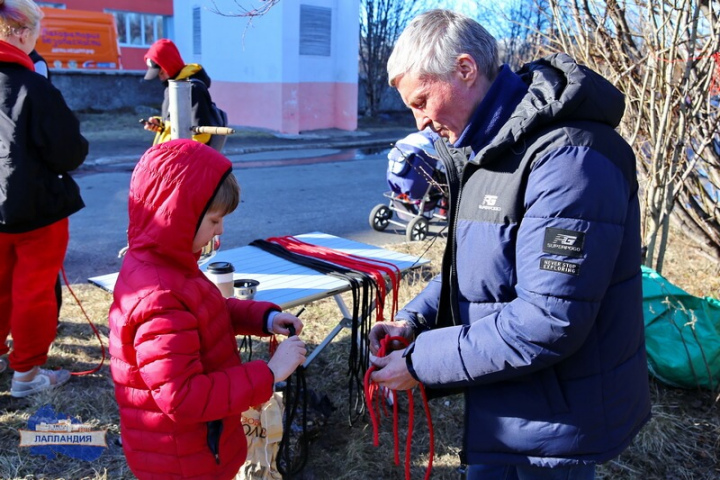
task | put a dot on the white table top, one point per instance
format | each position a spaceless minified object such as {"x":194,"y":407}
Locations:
{"x":286,"y":283}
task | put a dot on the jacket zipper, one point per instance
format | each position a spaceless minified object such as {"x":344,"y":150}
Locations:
{"x":448,"y":160}
{"x":450,"y":167}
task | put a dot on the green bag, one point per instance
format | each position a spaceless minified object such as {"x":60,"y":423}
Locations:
{"x":682,"y":334}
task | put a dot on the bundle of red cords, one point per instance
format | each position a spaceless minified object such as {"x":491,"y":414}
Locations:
{"x":372,"y":267}
{"x":374,"y":398}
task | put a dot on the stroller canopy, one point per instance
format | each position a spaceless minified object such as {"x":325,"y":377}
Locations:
{"x":412,"y":163}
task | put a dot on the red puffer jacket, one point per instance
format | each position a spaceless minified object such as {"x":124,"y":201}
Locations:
{"x":179,"y":379}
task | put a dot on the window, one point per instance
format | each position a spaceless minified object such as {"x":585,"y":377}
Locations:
{"x":138,"y":29}
{"x":315,"y":30}
{"x":197,"y":32}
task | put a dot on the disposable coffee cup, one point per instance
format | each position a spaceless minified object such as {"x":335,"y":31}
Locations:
{"x":221,"y":274}
{"x":245,"y":288}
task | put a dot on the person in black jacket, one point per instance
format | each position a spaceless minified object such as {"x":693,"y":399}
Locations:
{"x":537,"y":314}
{"x":165,"y":63}
{"x":40,"y":141}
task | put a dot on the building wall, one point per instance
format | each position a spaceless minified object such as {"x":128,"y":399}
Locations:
{"x":258,"y":75}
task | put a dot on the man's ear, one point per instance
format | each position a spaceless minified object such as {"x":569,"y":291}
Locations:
{"x":466,"y":68}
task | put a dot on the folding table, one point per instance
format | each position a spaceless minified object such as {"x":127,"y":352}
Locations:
{"x":288,"y":284}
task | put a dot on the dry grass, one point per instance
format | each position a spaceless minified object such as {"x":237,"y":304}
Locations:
{"x":681,"y":442}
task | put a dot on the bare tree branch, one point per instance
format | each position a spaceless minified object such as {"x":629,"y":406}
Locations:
{"x":663,"y":57}
{"x":381,"y":22}
{"x":247,"y":12}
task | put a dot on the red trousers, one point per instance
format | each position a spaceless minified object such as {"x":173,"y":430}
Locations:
{"x":29,"y":266}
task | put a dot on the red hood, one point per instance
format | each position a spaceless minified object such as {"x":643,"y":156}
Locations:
{"x":165,"y":53}
{"x":11,"y":54}
{"x":170,"y":190}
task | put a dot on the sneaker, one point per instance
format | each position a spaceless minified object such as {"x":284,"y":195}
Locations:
{"x":44,"y":380}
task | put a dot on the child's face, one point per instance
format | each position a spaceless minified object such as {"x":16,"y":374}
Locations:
{"x":211,"y":225}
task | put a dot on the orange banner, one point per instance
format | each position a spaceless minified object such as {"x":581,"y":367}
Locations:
{"x":78,"y":39}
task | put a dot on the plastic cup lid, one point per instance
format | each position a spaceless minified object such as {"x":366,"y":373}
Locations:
{"x":220,"y":267}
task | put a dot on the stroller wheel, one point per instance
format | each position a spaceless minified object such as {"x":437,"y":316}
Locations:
{"x":380,"y":217}
{"x":417,"y":229}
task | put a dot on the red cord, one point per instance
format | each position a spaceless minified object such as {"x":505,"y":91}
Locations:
{"x":272,"y":345}
{"x":97,"y":333}
{"x":373,"y":267}
{"x":371,"y":393}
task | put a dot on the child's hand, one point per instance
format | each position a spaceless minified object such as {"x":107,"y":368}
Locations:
{"x":282,"y":322}
{"x":289,"y":355}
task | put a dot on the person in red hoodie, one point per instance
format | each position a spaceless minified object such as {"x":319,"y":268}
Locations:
{"x":40,"y":141}
{"x":165,"y":63}
{"x":179,"y":380}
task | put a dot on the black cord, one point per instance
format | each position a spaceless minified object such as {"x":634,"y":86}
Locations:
{"x":246,"y":347}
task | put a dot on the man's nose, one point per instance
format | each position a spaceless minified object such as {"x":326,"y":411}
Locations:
{"x":421,"y":120}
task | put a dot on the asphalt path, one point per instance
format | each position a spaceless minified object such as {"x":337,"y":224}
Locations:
{"x":283,"y":193}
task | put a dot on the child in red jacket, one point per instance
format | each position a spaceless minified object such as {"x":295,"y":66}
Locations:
{"x":179,"y":381}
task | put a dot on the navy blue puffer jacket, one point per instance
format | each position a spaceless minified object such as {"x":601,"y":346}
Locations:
{"x":537,"y":314}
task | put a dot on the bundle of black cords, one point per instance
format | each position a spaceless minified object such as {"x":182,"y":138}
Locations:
{"x":290,"y":462}
{"x":363,"y":289}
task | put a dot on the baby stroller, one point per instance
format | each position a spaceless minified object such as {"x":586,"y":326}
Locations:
{"x":418,"y":187}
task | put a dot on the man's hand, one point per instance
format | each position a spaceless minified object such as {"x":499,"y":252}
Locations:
{"x":282,"y":322}
{"x":381,"y":330}
{"x":392,"y":372}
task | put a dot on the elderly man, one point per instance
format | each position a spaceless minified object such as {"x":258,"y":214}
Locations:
{"x":536,"y":315}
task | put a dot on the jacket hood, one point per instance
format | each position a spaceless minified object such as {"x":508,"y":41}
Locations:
{"x":9,"y":53}
{"x":193,"y":71}
{"x":558,"y":90}
{"x":170,"y":190}
{"x":166,"y":54}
